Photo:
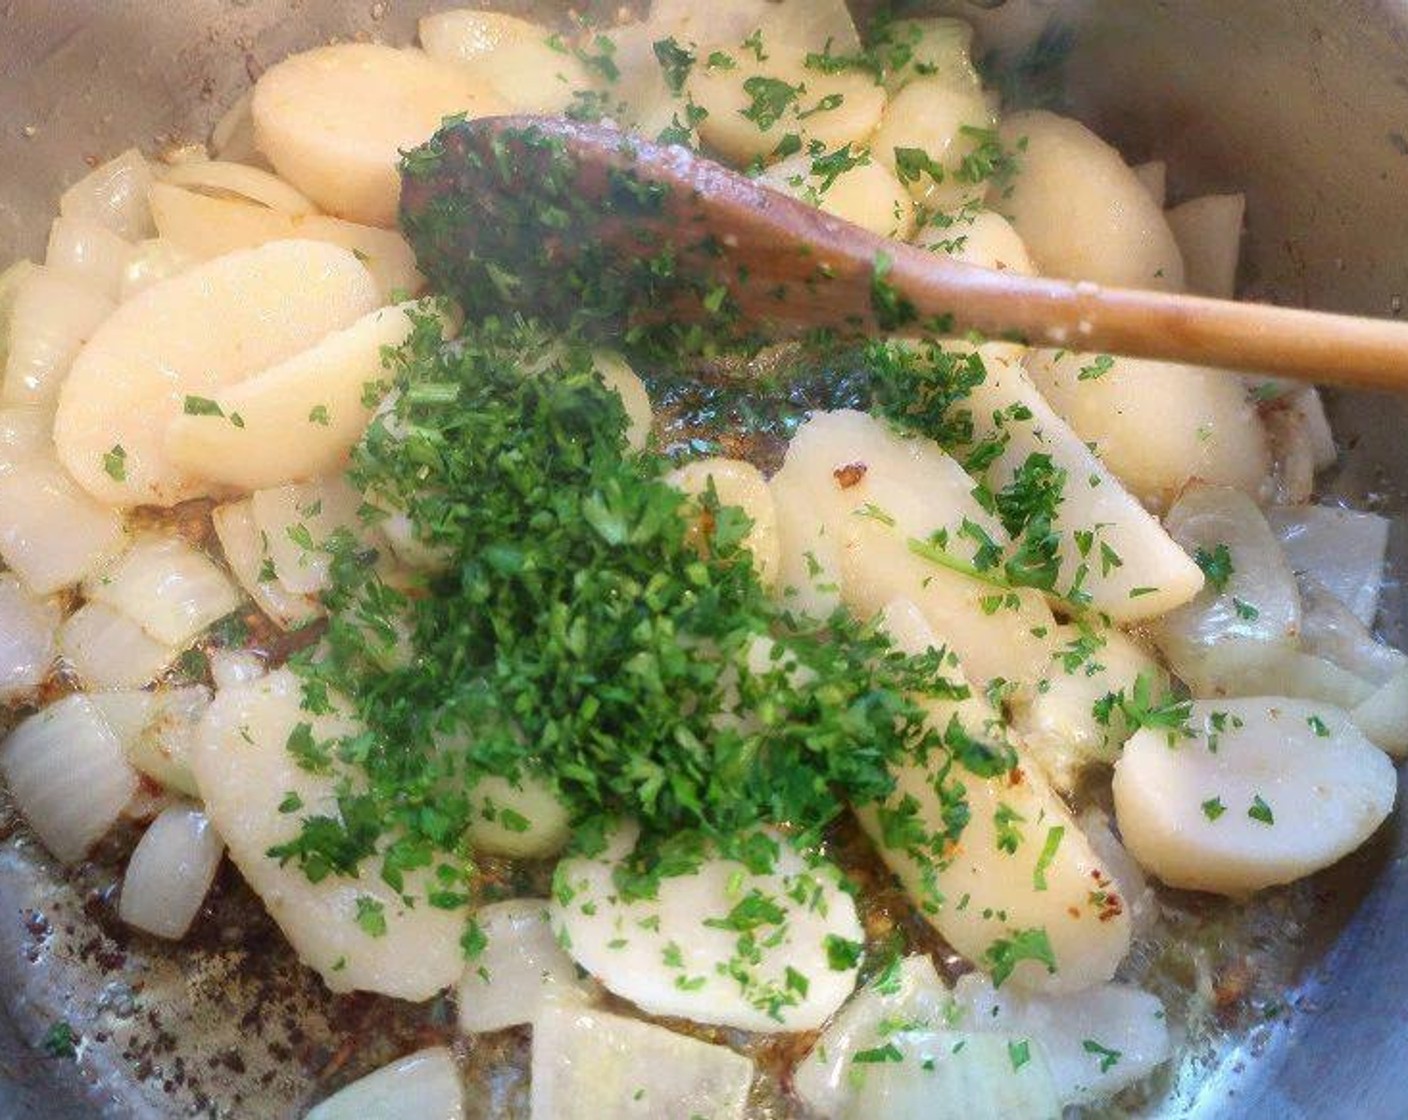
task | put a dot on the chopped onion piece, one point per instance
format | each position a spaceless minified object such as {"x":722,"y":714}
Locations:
{"x":677,"y":953}
{"x":1383,"y":717}
{"x":222,"y":178}
{"x":89,"y":254}
{"x":68,"y":774}
{"x":520,"y":967}
{"x":423,"y":1086}
{"x":1266,"y":790}
{"x":1258,"y":599}
{"x":1244,"y":667}
{"x":589,"y":1064}
{"x":27,"y":628}
{"x":1140,"y":902}
{"x":252,"y":566}
{"x":161,"y":748}
{"x":107,"y":650}
{"x":171,"y":589}
{"x":232,"y":138}
{"x":1096,"y":1042}
{"x":51,"y":533}
{"x":1342,"y":549}
{"x":296,"y":521}
{"x":25,"y":433}
{"x":170,"y":873}
{"x":229,"y":668}
{"x":53,"y":316}
{"x":11,"y":281}
{"x":127,"y":712}
{"x":1330,"y":630}
{"x":152,"y":261}
{"x":114,"y":195}
{"x":1209,"y":235}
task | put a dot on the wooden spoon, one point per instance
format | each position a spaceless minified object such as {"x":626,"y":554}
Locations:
{"x":548,"y":216}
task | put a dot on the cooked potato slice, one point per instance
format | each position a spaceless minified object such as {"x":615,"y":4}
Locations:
{"x":809,"y":25}
{"x":522,"y":820}
{"x":929,"y":128}
{"x":468,"y":34}
{"x":1209,"y":234}
{"x":333,"y":121}
{"x":1082,"y":212}
{"x":1157,"y":425}
{"x":979,"y":237}
{"x":206,"y":227}
{"x":247,"y":554}
{"x":622,"y":380}
{"x":754,"y":105}
{"x":677,"y":953}
{"x":301,"y":417}
{"x":1267,"y":791}
{"x":1021,"y":878}
{"x":738,"y":483}
{"x":183,"y":341}
{"x":867,"y":194}
{"x":244,"y":769}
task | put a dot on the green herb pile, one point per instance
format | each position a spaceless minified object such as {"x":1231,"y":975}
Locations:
{"x":591,"y":628}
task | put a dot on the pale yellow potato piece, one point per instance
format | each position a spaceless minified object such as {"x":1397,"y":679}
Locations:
{"x":525,"y":820}
{"x":468,"y":34}
{"x":1156,"y":425}
{"x":1154,"y":177}
{"x":333,"y":121}
{"x":738,"y":483}
{"x":936,"y":118}
{"x":987,"y":893}
{"x":302,"y":417}
{"x":618,"y":376}
{"x":983,"y":238}
{"x":194,"y":335}
{"x":1209,"y":234}
{"x":940,"y":48}
{"x":812,"y":25}
{"x":207,"y":227}
{"x":244,"y":769}
{"x":725,"y":93}
{"x":1082,"y":212}
{"x":1131,"y":568}
{"x":246,"y":554}
{"x":851,"y":497}
{"x":867,"y":195}
{"x":1291,"y":788}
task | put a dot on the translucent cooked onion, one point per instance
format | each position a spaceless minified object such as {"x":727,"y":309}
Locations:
{"x":1329,"y":629}
{"x":106,"y":650}
{"x":520,"y":967}
{"x":1383,"y":717}
{"x":1343,"y":549}
{"x":232,"y":138}
{"x":27,"y":628}
{"x":223,"y":178}
{"x":229,"y":668}
{"x":249,"y":561}
{"x":1245,"y":667}
{"x":152,"y":261}
{"x":1259,"y":600}
{"x":170,"y":873}
{"x":114,"y":195}
{"x":422,"y":1086}
{"x":51,"y":533}
{"x":169,"y":588}
{"x":161,"y":745}
{"x":25,"y":433}
{"x":11,"y":279}
{"x":53,"y":316}
{"x":88,"y":253}
{"x":67,"y":772}
{"x":589,"y":1064}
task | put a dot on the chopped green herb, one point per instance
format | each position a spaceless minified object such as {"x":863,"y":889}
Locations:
{"x":115,"y":463}
{"x":1213,"y":808}
{"x":1216,"y":565}
{"x":1261,"y":811}
{"x":1108,"y":1058}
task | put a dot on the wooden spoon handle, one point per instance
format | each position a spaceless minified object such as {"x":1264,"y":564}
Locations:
{"x":1340,"y":350}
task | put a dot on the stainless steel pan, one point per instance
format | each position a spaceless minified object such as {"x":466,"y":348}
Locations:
{"x":1302,"y":103}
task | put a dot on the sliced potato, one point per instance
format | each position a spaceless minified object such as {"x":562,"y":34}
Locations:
{"x":205,"y":227}
{"x":1021,"y":873}
{"x":1157,"y":425}
{"x":809,"y":25}
{"x":979,"y":237}
{"x":855,"y":500}
{"x":185,"y":340}
{"x":678,"y":953}
{"x":938,"y":48}
{"x":1153,"y":176}
{"x":753,"y":105}
{"x":1111,"y":548}
{"x":523,"y":820}
{"x":244,"y":769}
{"x":738,"y":483}
{"x":932,"y":123}
{"x":618,"y":376}
{"x":520,"y":969}
{"x":1269,"y":790}
{"x":868,"y":194}
{"x":334,"y":119}
{"x":301,"y":417}
{"x":295,"y":523}
{"x":421,"y":1086}
{"x":467,"y":34}
{"x":246,"y":554}
{"x":1082,"y":212}
{"x":1209,"y":235}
